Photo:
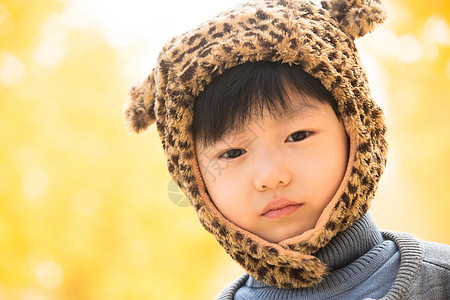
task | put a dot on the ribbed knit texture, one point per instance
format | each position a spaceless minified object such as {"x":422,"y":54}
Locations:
{"x":424,"y":271}
{"x":355,"y":256}
{"x":409,"y":268}
{"x":353,"y":243}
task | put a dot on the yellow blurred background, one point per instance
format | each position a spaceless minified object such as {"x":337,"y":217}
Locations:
{"x":84,"y":208}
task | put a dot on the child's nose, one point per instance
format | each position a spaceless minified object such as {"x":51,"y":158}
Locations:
{"x":271,"y":173}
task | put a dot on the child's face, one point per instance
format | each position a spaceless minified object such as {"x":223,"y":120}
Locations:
{"x":274,"y":178}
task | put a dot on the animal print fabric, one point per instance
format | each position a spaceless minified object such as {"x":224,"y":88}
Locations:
{"x":321,"y":40}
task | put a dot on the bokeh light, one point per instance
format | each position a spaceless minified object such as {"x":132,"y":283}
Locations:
{"x":88,"y":211}
{"x":34,"y":181}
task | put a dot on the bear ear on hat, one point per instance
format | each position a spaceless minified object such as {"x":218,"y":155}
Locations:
{"x":139,"y":109}
{"x":356,"y":17}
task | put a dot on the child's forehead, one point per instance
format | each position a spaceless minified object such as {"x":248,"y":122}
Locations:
{"x":298,"y":105}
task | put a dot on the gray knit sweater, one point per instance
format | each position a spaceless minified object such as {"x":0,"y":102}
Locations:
{"x":412,"y":269}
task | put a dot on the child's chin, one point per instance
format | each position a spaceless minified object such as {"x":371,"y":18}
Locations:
{"x":282,"y":236}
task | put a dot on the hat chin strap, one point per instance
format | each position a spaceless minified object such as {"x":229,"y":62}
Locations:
{"x":288,"y":264}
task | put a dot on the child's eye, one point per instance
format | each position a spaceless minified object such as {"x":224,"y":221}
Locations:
{"x":232,"y":153}
{"x":298,"y":136}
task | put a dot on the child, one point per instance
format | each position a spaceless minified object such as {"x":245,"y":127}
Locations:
{"x":269,"y":127}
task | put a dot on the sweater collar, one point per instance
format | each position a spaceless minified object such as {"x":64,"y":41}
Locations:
{"x":351,"y":244}
{"x":343,"y":249}
{"x":411,"y":250}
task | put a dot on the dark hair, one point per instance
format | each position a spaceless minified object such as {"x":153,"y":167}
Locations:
{"x":242,"y":92}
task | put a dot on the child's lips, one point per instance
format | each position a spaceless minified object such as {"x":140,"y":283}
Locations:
{"x":280,"y":208}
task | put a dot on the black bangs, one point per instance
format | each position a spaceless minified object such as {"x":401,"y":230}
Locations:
{"x":247,"y":91}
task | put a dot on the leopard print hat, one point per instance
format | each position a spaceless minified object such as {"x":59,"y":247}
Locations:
{"x":321,"y":40}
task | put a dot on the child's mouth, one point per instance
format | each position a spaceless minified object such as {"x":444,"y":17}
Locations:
{"x":280,"y":208}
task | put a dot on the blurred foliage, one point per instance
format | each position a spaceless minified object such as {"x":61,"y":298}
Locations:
{"x":84,"y":211}
{"x":84,"y":207}
{"x":415,"y":196}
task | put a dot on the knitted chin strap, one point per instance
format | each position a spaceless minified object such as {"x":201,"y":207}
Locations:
{"x":321,"y":40}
